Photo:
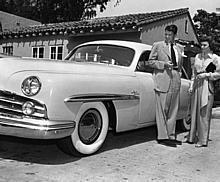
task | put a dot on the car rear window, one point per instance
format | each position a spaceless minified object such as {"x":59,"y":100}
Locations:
{"x":109,"y":54}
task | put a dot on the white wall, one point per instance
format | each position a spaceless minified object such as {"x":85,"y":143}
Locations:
{"x":155,"y":31}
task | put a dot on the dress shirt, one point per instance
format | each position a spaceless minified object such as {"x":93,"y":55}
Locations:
{"x":175,"y":50}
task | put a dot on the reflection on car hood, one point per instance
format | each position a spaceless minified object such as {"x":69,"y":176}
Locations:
{"x":11,"y":66}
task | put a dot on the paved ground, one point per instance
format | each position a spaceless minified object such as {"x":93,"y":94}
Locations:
{"x":131,"y":156}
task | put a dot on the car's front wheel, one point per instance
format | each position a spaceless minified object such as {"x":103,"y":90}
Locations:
{"x":90,"y":133}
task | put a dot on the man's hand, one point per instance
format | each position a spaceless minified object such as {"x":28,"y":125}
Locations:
{"x":190,"y":90}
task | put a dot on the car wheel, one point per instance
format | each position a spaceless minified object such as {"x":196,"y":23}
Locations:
{"x":90,"y":133}
{"x":184,"y":124}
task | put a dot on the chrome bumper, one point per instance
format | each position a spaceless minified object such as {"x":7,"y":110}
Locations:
{"x":35,"y":128}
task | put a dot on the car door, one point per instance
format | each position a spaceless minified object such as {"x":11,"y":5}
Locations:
{"x":184,"y":107}
{"x":147,"y":96}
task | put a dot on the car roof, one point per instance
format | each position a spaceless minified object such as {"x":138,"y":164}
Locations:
{"x":120,"y":43}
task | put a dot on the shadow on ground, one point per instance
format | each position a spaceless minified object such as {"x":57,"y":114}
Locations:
{"x":46,"y":151}
{"x":32,"y":151}
{"x":129,"y":138}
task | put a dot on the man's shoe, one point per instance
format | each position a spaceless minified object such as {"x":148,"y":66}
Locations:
{"x":198,"y":145}
{"x":166,"y":142}
{"x":177,"y":142}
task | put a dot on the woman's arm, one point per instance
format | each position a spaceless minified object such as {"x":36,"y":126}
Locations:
{"x":192,"y":78}
{"x":216,"y":74}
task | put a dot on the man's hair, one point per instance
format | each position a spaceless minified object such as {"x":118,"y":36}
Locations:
{"x":171,"y":28}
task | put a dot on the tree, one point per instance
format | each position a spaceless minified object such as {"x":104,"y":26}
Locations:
{"x":208,"y":24}
{"x":3,"y":6}
{"x":53,"y":11}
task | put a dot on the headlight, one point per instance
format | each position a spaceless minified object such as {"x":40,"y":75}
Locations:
{"x":31,"y":86}
{"x":28,"y":108}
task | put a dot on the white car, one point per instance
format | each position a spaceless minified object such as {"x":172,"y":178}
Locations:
{"x":100,"y":85}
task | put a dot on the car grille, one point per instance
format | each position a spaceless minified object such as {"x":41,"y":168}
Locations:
{"x":11,"y":106}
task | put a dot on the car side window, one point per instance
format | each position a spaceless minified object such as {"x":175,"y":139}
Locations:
{"x":142,"y":65}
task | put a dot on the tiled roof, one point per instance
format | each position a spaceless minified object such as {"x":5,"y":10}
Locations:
{"x":125,"y":22}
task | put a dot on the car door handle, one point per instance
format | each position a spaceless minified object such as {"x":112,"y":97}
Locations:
{"x":134,"y":92}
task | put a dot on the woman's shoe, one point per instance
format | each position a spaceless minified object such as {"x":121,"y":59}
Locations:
{"x":185,"y":140}
{"x":198,"y":145}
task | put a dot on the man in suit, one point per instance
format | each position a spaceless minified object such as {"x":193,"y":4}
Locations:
{"x":166,"y":59}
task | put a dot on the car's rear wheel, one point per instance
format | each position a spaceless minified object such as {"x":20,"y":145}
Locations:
{"x":184,"y":124}
{"x":90,"y":133}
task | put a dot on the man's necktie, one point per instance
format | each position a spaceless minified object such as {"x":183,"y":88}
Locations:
{"x":173,"y":56}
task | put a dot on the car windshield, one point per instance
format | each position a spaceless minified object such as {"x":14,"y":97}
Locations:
{"x":109,"y":54}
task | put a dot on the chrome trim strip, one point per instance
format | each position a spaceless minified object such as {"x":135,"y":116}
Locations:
{"x":36,"y":129}
{"x":11,"y":103}
{"x":31,"y":123}
{"x":2,"y":99}
{"x":13,"y":94}
{"x":100,"y":97}
{"x":11,"y":109}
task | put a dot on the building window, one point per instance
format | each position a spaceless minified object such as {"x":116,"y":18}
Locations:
{"x":38,"y":52}
{"x":186,"y":27}
{"x":41,"y":52}
{"x":56,"y":52}
{"x":8,"y":50}
{"x":53,"y":53}
{"x":60,"y":53}
{"x":34,"y":52}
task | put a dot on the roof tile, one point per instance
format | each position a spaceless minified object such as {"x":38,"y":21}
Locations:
{"x":97,"y":24}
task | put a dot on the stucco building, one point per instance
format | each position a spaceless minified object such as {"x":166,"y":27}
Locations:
{"x":55,"y":40}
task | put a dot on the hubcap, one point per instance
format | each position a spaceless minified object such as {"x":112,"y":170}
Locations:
{"x":188,"y":120}
{"x":90,"y":126}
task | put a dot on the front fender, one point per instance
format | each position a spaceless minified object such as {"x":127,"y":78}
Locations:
{"x":55,"y":88}
{"x":58,"y":87}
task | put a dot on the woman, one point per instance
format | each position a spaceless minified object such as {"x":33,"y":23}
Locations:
{"x":202,"y":91}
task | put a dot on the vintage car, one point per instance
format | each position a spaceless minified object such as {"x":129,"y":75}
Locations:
{"x":100,"y":86}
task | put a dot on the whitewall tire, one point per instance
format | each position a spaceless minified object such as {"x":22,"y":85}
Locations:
{"x":91,"y":129}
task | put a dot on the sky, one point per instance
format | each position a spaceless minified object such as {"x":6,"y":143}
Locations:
{"x":145,"y":6}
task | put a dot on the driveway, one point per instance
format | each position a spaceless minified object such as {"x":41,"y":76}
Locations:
{"x":130,"y":156}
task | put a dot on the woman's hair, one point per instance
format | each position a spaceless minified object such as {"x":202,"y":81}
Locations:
{"x":207,"y":39}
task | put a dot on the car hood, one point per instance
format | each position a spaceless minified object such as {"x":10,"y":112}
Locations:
{"x":10,"y":66}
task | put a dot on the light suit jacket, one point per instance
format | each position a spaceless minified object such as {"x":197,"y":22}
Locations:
{"x":160,"y":54}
